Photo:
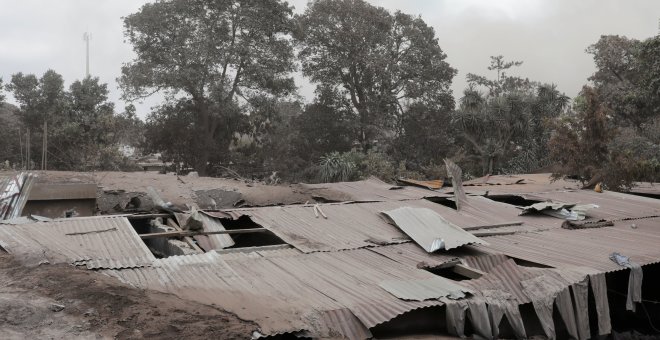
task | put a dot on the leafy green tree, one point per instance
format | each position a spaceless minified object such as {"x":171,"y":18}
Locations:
{"x":206,"y":55}
{"x":381,"y":62}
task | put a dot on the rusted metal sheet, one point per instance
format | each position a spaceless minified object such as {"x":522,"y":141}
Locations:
{"x":371,"y":189}
{"x":584,"y":248}
{"x":321,"y":293}
{"x":348,"y":226}
{"x":424,"y":289}
{"x":414,"y":256}
{"x":611,"y":205}
{"x":430,"y":230}
{"x":431,"y":185}
{"x":517,"y":184}
{"x":109,"y":242}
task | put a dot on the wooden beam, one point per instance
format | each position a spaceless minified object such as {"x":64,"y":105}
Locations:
{"x":184,"y":233}
{"x":253,"y":249}
{"x":188,"y":239}
{"x":466,"y":271}
{"x":147,"y":216}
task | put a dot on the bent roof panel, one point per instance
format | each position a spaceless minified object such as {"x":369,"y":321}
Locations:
{"x":372,"y":189}
{"x":430,"y":230}
{"x":108,"y":242}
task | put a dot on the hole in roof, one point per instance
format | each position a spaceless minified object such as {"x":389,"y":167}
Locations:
{"x":513,"y":200}
{"x":527,"y":263}
{"x":447,"y":273}
{"x":163,"y":247}
{"x":265,"y":238}
{"x":656,"y":196}
{"x":443,"y":201}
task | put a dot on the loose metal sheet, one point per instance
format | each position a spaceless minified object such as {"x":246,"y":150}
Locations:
{"x":430,"y":230}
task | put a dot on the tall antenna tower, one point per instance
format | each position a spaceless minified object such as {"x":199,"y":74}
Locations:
{"x":87,"y":37}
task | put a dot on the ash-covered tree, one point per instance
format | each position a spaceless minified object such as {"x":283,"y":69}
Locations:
{"x":504,"y":130}
{"x":627,"y":78}
{"x":613,"y":134}
{"x":208,"y":58}
{"x":81,"y":123}
{"x":382,"y":62}
{"x":324,"y":126}
{"x":2,"y":94}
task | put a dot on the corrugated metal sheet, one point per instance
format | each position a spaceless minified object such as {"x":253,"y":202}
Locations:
{"x":586,"y":248}
{"x":431,"y":185}
{"x":371,"y":189}
{"x":358,"y":225}
{"x":425,"y":289}
{"x":109,"y":242}
{"x":348,"y":226}
{"x":506,"y":184}
{"x":647,"y":188}
{"x":14,"y":193}
{"x":430,"y":230}
{"x":413,"y":256}
{"x":318,"y":293}
{"x":611,"y":205}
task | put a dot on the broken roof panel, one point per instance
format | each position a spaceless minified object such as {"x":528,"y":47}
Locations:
{"x":108,"y":242}
{"x":585,"y":248}
{"x":611,"y":205}
{"x":430,"y":230}
{"x":431,"y":185}
{"x":524,"y":183}
{"x":424,"y":289}
{"x":14,"y":193}
{"x":348,"y":226}
{"x":371,"y":189}
{"x":320,"y":293}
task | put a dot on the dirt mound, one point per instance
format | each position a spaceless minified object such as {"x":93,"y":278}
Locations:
{"x":63,"y":302}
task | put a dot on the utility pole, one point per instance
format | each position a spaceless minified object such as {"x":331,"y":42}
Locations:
{"x":27,"y":151}
{"x":87,"y":37}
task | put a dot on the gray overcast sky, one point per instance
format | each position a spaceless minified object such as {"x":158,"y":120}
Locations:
{"x":550,"y":36}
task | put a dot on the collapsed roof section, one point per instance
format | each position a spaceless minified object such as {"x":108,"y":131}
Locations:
{"x":348,"y":271}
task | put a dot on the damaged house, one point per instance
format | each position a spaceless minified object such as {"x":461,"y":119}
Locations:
{"x":498,"y":257}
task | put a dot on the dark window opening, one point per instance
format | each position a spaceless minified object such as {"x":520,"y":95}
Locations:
{"x":513,"y":200}
{"x":443,"y":201}
{"x":256,"y":239}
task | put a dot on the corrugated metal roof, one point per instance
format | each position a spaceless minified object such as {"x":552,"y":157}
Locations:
{"x":358,"y":225}
{"x":431,"y":185}
{"x":524,"y":183}
{"x":647,"y":188}
{"x":348,"y":226}
{"x":371,"y":189}
{"x":586,"y":248}
{"x":425,"y":289}
{"x":14,"y":192}
{"x":413,"y":256}
{"x":312,"y":292}
{"x":611,"y":205}
{"x":430,"y":230}
{"x":109,"y":242}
